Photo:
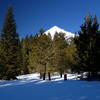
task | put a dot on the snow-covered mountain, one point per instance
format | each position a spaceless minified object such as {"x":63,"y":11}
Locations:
{"x":57,"y":29}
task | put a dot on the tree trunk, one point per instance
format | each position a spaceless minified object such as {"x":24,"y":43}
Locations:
{"x":81,"y":77}
{"x":89,"y":76}
{"x":26,"y":70}
{"x":45,"y":69}
{"x":44,"y":76}
{"x":61,"y":73}
{"x":41,"y":75}
{"x":65,"y":76}
{"x":49,"y":76}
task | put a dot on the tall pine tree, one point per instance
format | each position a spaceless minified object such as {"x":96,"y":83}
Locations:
{"x":59,"y":52}
{"x":10,"y":47}
{"x":86,"y":44}
{"x":25,"y":55}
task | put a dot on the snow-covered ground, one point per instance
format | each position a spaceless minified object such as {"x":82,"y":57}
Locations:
{"x":30,"y":87}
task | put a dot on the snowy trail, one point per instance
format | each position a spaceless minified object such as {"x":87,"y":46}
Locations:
{"x":28,"y":88}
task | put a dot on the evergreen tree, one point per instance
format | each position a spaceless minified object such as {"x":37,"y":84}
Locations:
{"x":10,"y":47}
{"x":86,"y":45}
{"x":25,"y":55}
{"x":59,"y":52}
{"x":39,"y":55}
{"x":70,"y":54}
{"x":41,"y":31}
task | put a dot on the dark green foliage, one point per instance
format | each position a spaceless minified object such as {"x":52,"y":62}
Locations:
{"x":59,"y":60}
{"x":42,"y":54}
{"x":39,"y":55}
{"x":88,"y":47}
{"x":41,"y":31}
{"x":10,"y":48}
{"x":25,"y":55}
{"x":48,"y":55}
{"x":70,"y":54}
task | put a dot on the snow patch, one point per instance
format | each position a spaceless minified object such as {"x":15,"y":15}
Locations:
{"x":30,"y":87}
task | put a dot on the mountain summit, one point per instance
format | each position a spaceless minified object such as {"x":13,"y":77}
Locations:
{"x":57,"y":29}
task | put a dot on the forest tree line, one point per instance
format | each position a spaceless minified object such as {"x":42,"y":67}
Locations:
{"x":40,"y":53}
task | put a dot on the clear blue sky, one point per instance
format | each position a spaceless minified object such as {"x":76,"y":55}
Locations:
{"x":32,"y":15}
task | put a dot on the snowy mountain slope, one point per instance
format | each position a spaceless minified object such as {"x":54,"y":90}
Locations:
{"x":57,"y":29}
{"x":30,"y":87}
